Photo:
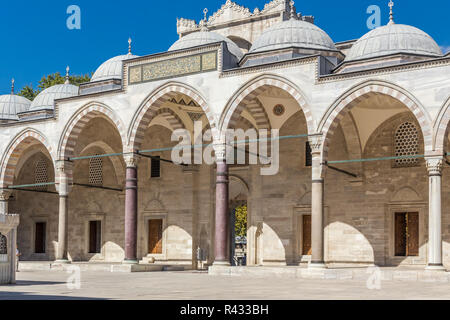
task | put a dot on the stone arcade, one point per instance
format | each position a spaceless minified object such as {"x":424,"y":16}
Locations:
{"x":386,"y":95}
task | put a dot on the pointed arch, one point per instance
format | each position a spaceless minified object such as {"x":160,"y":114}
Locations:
{"x":78,"y":122}
{"x":171,"y":117}
{"x":441,"y":127}
{"x":117,"y":163}
{"x":246,"y":95}
{"x":15,"y":149}
{"x":363,"y":91}
{"x":149,"y":109}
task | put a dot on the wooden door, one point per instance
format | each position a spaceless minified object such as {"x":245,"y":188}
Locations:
{"x":155,"y":236}
{"x":400,"y":234}
{"x":39,"y":237}
{"x":413,"y":233}
{"x":306,"y":235}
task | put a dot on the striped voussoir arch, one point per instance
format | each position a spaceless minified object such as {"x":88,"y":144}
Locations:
{"x":442,"y":129}
{"x":248,"y":97}
{"x":14,"y":152}
{"x":351,"y":100}
{"x":258,"y":113}
{"x":79,"y":122}
{"x":171,"y":117}
{"x":152,"y":108}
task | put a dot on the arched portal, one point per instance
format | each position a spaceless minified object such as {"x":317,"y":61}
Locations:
{"x":388,"y":122}
{"x":96,"y":198}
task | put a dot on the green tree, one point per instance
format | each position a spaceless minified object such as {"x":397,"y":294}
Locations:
{"x":28,"y":92}
{"x":240,"y":227}
{"x":50,"y":81}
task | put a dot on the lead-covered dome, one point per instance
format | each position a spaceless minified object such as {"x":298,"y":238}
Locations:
{"x":11,"y":105}
{"x":293,"y":33}
{"x":203,"y":37}
{"x":391,"y":39}
{"x":111,"y":69}
{"x":45,"y":100}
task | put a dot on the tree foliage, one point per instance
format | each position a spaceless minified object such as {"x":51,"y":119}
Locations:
{"x":51,"y":80}
{"x":241,"y":221}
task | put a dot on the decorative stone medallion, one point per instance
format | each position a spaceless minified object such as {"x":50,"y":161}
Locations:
{"x":279,"y":110}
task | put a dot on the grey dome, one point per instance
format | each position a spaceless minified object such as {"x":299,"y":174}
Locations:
{"x":45,"y":99}
{"x":391,"y":39}
{"x":203,"y":37}
{"x":11,"y":105}
{"x":111,"y":69}
{"x":293,"y":33}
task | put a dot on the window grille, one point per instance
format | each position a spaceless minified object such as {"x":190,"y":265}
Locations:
{"x":155,"y":167}
{"x":96,"y":171}
{"x":3,"y":244}
{"x":41,"y":173}
{"x":406,"y":144}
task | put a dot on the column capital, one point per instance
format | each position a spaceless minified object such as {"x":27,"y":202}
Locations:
{"x":131,"y":159}
{"x":316,"y":142}
{"x":434,"y":166}
{"x":220,"y":150}
{"x":5,"y":194}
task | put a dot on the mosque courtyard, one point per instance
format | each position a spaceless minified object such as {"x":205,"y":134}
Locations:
{"x":189,"y":285}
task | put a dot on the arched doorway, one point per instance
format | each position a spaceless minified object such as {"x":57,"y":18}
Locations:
{"x":239,"y":222}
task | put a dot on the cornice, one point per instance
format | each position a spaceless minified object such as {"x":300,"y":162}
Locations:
{"x":404,"y":67}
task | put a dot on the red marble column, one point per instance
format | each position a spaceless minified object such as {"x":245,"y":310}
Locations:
{"x":131,"y":207}
{"x":221,"y":214}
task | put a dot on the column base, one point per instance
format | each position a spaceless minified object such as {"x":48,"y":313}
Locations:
{"x":130,"y":262}
{"x":221,"y":264}
{"x":317,"y":265}
{"x":435,"y":267}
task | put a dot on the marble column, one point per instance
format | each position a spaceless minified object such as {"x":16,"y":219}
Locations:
{"x":221,"y":226}
{"x":317,"y":204}
{"x":131,"y":209}
{"x":434,"y":166}
{"x":64,"y":175}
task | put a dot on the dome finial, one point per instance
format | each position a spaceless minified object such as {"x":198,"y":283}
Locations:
{"x":292,"y":10}
{"x":205,"y":20}
{"x":67,"y":75}
{"x":12,"y":85}
{"x":391,"y":13}
{"x":129,"y":45}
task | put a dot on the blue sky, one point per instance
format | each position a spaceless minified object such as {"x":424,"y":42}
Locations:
{"x":36,"y":41}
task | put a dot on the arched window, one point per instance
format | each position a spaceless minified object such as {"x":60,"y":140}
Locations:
{"x":41,"y":173}
{"x":3,"y":244}
{"x":406,"y":143}
{"x":96,"y":171}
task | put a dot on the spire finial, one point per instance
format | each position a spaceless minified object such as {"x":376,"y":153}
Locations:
{"x":391,"y":12}
{"x":205,"y":20}
{"x":129,"y":45}
{"x":292,"y":10}
{"x":67,"y":75}
{"x":12,"y":85}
